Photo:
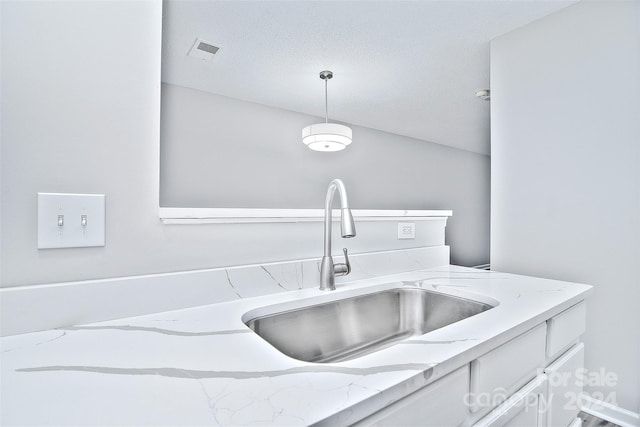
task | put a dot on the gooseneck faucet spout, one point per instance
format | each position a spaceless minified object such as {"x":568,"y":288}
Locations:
{"x":328,"y":270}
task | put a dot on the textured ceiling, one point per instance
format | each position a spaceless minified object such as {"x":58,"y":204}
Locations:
{"x":406,"y":67}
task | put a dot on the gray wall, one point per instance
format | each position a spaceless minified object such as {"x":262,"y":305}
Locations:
{"x":222,"y":152}
{"x":82,"y":115}
{"x":565,"y":192}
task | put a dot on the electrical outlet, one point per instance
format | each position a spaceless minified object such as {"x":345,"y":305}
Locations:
{"x":406,"y":230}
{"x":70,"y":220}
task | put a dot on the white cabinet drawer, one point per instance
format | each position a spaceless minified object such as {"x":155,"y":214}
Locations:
{"x":565,"y":387}
{"x":565,"y":329}
{"x":520,"y":410}
{"x":497,"y":374}
{"x":439,"y":404}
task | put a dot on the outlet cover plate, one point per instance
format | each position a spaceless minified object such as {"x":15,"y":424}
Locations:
{"x":406,"y":230}
{"x":71,"y":210}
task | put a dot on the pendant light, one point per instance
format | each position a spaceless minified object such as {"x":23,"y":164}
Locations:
{"x":326,"y":136}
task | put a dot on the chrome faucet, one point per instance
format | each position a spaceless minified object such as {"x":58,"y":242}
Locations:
{"x":328,"y":270}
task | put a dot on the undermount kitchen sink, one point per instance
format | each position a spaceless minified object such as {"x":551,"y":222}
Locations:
{"x":348,"y":328}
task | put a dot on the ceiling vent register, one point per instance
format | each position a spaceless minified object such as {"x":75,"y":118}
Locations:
{"x":203,"y":50}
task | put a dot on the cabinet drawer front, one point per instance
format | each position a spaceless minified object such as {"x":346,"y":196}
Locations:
{"x":565,"y":328}
{"x":520,"y":410}
{"x":526,"y":417}
{"x":497,"y":374}
{"x":565,"y":387}
{"x":437,"y":405}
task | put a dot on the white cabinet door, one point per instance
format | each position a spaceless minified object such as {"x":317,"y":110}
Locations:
{"x":439,"y":404}
{"x":523,"y":409}
{"x":565,"y":387}
{"x":500,"y":372}
{"x":565,"y":329}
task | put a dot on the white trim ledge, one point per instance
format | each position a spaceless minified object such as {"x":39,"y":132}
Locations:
{"x":232,"y":215}
{"x":609,"y":412}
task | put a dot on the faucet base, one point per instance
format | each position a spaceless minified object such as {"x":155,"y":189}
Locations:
{"x":327,"y":280}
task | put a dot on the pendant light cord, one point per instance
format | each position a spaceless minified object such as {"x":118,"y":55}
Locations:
{"x":326,"y":102}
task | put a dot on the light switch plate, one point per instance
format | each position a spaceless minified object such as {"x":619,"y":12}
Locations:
{"x":70,"y":220}
{"x":406,"y":230}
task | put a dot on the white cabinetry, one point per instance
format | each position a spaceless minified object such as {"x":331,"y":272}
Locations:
{"x":529,"y":381}
{"x":565,"y":329}
{"x":564,"y":373}
{"x":498,"y":374}
{"x":565,"y":387}
{"x":556,"y":403}
{"x":436,"y":405}
{"x":524,"y":408}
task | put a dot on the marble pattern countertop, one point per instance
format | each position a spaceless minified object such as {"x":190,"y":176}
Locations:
{"x":203,"y":366}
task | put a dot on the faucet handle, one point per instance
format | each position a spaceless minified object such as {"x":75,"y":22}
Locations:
{"x":341,"y":269}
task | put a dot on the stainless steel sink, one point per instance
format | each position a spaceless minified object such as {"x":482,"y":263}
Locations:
{"x":352,"y":327}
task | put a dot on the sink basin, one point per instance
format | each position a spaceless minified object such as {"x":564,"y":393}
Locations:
{"x":352,"y":327}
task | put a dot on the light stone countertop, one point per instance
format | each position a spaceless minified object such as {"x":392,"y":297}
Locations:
{"x":203,"y":366}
